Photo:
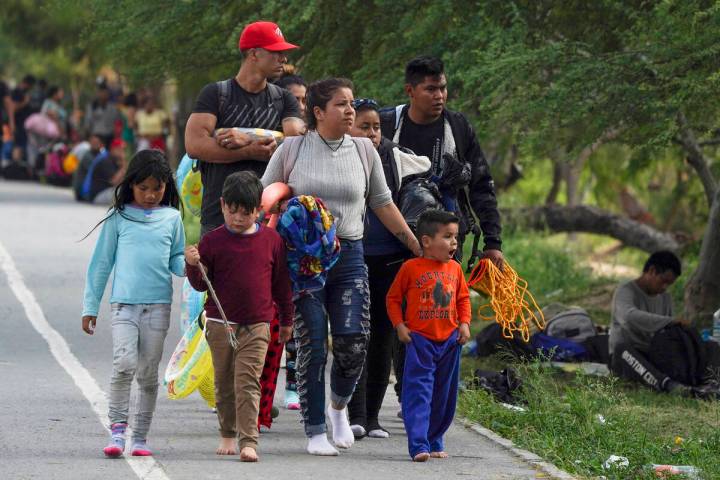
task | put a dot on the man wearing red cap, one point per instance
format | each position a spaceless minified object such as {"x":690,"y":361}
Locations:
{"x":247,"y":100}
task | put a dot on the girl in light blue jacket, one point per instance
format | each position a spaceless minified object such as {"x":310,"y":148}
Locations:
{"x":142,"y":242}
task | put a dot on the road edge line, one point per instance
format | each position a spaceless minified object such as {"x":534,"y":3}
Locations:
{"x":146,"y":468}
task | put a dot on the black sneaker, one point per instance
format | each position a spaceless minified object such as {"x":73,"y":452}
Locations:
{"x":679,"y":389}
{"x":707,"y":391}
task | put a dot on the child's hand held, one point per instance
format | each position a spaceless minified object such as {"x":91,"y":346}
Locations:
{"x":88,"y":324}
{"x":403,"y":333}
{"x":285,"y":334}
{"x":463,"y":333}
{"x":192,"y":256}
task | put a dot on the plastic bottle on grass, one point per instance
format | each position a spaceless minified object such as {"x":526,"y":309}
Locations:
{"x":688,"y":471}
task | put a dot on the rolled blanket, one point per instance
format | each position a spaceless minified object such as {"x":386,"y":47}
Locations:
{"x":308,"y":229}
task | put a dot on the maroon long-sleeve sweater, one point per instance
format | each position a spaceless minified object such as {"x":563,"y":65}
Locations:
{"x":248,"y":273}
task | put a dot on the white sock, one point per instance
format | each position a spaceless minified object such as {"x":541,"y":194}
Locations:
{"x":319,"y":445}
{"x":378,"y":433}
{"x":342,"y":434}
{"x":358,"y":430}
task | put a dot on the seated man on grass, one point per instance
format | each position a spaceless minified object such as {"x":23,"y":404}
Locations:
{"x":640,"y":309}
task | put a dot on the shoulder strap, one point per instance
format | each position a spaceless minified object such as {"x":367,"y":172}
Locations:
{"x":223,"y":95}
{"x":390,"y":120}
{"x":289,"y":154}
{"x":276,"y":97}
{"x":398,"y":115}
{"x":458,"y":125}
{"x":365,"y":150}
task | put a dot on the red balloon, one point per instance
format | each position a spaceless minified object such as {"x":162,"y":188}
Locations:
{"x":273,"y":195}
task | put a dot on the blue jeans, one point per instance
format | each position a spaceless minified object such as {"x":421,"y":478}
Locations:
{"x":345,"y":302}
{"x":429,"y":391}
{"x":138,"y":333}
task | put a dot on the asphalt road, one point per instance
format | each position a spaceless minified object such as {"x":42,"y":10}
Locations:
{"x":53,"y":379}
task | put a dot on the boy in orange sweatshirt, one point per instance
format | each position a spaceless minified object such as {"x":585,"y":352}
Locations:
{"x":435,"y":323}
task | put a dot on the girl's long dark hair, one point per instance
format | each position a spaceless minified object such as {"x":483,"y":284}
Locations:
{"x":144,"y":164}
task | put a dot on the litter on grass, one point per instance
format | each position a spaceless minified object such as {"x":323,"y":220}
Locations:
{"x":615,"y":461}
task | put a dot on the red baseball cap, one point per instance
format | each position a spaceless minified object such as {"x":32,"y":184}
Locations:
{"x":266,"y":35}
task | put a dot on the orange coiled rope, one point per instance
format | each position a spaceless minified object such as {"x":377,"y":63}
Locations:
{"x":510,"y":299}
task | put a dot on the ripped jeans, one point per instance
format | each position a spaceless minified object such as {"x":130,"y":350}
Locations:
{"x":345,"y":302}
{"x":138,"y":334}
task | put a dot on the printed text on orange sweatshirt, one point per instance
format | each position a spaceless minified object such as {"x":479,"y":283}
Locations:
{"x":436,"y":294}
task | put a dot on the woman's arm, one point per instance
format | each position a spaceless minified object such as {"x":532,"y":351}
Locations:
{"x":390,"y":216}
{"x":274,"y":170}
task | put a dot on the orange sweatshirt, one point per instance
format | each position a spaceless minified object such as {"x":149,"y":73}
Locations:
{"x":436,"y":294}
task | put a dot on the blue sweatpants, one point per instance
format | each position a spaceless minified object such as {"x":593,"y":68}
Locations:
{"x":429,"y":391}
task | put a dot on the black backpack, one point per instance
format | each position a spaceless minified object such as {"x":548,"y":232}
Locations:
{"x":678,"y":352}
{"x":490,"y":341}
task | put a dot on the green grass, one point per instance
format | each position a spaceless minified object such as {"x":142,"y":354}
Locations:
{"x":561,"y":422}
{"x":550,"y":267}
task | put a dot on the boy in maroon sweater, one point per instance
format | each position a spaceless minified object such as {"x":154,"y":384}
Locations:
{"x":245,"y":262}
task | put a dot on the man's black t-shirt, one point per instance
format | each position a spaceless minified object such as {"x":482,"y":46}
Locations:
{"x":21,"y":114}
{"x":242,"y":109}
{"x":4,"y":92}
{"x":424,"y":139}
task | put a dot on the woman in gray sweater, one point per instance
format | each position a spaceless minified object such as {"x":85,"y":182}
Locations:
{"x":329,"y":166}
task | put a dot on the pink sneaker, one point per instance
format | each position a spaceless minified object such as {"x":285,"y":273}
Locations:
{"x":292,"y":401}
{"x":140,"y":449}
{"x":116,"y":447}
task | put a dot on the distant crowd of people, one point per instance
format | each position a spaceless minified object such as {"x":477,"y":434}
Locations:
{"x":47,"y":138}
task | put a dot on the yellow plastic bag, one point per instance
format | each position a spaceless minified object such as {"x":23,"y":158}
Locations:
{"x":190,"y":367}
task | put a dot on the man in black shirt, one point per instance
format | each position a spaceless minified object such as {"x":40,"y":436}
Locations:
{"x":7,"y":115}
{"x":21,"y":112}
{"x":247,"y":100}
{"x":428,"y":128}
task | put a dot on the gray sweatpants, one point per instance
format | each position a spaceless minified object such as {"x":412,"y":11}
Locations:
{"x":138,"y":333}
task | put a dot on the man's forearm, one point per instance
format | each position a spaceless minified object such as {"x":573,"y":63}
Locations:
{"x":207,"y":150}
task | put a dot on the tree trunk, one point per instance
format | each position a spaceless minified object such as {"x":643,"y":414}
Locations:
{"x":576,"y":166}
{"x":584,"y":218}
{"x":551,"y":198}
{"x":702,"y":291}
{"x":572,"y":180}
{"x":696,"y":159}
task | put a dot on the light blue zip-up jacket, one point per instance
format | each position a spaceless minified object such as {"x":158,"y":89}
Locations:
{"x":144,"y":247}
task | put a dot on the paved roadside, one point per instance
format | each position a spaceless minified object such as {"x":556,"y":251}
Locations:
{"x":49,"y":430}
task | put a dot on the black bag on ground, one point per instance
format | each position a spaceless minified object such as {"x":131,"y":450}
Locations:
{"x":597,"y":349}
{"x":490,"y":341}
{"x":15,"y":171}
{"x":679,"y":353}
{"x":502,"y":385}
